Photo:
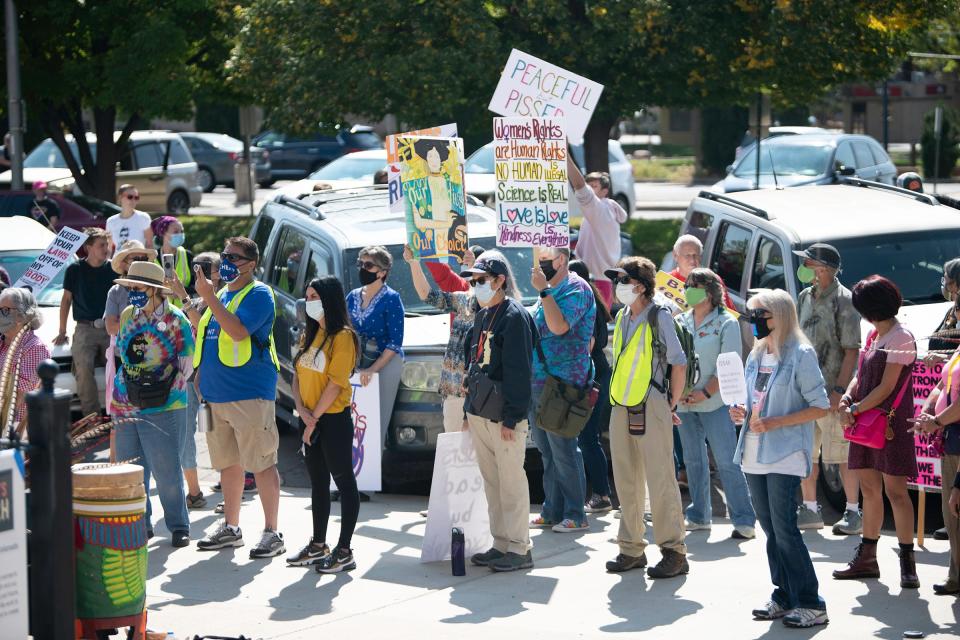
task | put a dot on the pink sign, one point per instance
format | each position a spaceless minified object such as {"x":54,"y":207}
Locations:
{"x":929,"y":475}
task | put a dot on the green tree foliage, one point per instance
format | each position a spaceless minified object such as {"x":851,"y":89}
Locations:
{"x":949,"y":141}
{"x":119,"y":62}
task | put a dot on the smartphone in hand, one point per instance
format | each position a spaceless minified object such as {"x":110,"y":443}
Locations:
{"x":168,"y":266}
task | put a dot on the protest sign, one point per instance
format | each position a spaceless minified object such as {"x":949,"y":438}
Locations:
{"x":14,"y":607}
{"x":52,"y":261}
{"x":533,"y":88}
{"x":457,"y":499}
{"x":530,"y":168}
{"x":672,"y":289}
{"x":733,"y":383}
{"x":431,"y":170}
{"x":395,"y":188}
{"x":929,"y":473}
{"x":365,"y":409}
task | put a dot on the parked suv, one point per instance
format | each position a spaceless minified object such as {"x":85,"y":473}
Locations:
{"x":749,"y":239}
{"x":296,"y":158}
{"x":322,"y":234}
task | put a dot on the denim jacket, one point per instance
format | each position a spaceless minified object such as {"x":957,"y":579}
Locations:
{"x":796,"y":385}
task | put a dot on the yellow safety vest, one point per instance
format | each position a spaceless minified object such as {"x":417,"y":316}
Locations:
{"x":231,"y":352}
{"x":181,"y":266}
{"x":632,"y":363}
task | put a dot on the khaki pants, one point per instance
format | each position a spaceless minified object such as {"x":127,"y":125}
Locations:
{"x":949,"y":466}
{"x":646,"y":458}
{"x":828,"y":440}
{"x":89,"y":342}
{"x":453,"y":414}
{"x":504,"y":482}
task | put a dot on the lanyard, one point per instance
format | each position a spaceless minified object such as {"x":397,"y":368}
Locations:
{"x":482,"y":340}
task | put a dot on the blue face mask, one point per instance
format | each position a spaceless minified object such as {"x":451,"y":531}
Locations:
{"x":176,"y":240}
{"x":228,"y":271}
{"x":138,"y":299}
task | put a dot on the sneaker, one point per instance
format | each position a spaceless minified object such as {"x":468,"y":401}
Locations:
{"x":541,"y":523}
{"x":271,"y":544}
{"x":424,"y":513}
{"x":218,"y":508}
{"x":690,"y":525}
{"x":808,"y":518}
{"x":224,"y":536}
{"x":217,"y":488}
{"x":196,"y":502}
{"x":513,"y":562}
{"x":310,"y":554}
{"x":770,"y":611}
{"x":484,"y":559}
{"x":803,"y":618}
{"x":624,"y":563}
{"x":672,"y":564}
{"x":337,"y":561}
{"x":598,"y":504}
{"x":941,"y":534}
{"x":569,"y":526}
{"x":249,"y":483}
{"x":180,"y":539}
{"x":851,"y":524}
{"x":743,"y":532}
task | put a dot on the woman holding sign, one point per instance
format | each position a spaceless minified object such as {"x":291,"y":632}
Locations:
{"x":786,"y":394}
{"x":703,"y":417}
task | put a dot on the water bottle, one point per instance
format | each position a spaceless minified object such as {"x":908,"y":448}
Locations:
{"x":457,"y":544}
{"x":204,"y":418}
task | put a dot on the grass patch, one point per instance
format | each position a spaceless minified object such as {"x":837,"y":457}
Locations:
{"x":207,"y":233}
{"x":652,"y":238}
{"x":663,"y":170}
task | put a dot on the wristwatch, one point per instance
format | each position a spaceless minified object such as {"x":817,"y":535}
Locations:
{"x":546,"y":291}
{"x":706,"y":393}
{"x":839,"y":389}
{"x":936,"y":421}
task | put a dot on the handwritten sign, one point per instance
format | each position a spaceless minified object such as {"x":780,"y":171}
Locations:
{"x":733,"y":382}
{"x":365,"y":409}
{"x":395,"y":188}
{"x":672,"y":289}
{"x":13,"y":547}
{"x":457,"y":499}
{"x":52,"y":261}
{"x":929,"y":473}
{"x":530,"y":168}
{"x":533,"y":88}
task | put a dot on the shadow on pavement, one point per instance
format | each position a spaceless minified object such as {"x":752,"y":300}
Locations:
{"x":897,"y":612}
{"x":645,"y":604}
{"x":312,"y":595}
{"x":499,"y":595}
{"x":221,"y":569}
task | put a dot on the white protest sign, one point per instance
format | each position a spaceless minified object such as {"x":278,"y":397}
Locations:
{"x":52,"y":261}
{"x":365,"y":409}
{"x":733,"y":383}
{"x":456,"y":500}
{"x":394,"y":169}
{"x":13,"y":547}
{"x":533,"y":88}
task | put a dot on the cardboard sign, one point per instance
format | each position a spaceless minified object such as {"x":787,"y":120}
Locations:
{"x":431,"y":170}
{"x":395,"y":188}
{"x":457,"y":499}
{"x":733,"y":382}
{"x":530,"y":168}
{"x":52,"y":261}
{"x":13,"y":547}
{"x":365,"y":408}
{"x":533,"y":88}
{"x":672,"y":289}
{"x":929,"y":473}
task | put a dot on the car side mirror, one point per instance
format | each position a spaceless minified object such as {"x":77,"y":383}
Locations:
{"x":844,"y":170}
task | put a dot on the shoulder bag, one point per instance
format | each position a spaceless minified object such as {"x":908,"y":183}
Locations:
{"x":872,"y":428}
{"x":485,"y":394}
{"x":564,"y":408}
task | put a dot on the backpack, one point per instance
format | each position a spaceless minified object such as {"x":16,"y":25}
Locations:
{"x":685,"y":336}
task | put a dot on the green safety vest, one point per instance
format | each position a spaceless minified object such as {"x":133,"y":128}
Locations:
{"x":231,"y":352}
{"x":632,"y":364}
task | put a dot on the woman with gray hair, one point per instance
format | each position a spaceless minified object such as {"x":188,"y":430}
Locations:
{"x":704,"y":417}
{"x":21,"y":351}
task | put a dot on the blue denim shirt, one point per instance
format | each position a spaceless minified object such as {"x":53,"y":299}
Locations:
{"x":718,"y":333}
{"x":796,"y":385}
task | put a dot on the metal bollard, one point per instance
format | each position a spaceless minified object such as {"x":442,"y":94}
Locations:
{"x":52,"y":597}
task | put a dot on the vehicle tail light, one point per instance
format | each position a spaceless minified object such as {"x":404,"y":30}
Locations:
{"x":232,"y":155}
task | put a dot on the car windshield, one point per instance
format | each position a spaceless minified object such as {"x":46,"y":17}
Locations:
{"x":914,"y":261}
{"x":399,"y":279}
{"x":481,"y":160}
{"x":347,"y":168}
{"x":221,"y":141}
{"x":46,"y":155}
{"x":786,"y":160}
{"x":17,"y":262}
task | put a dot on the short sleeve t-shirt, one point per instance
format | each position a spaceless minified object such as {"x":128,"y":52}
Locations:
{"x":567,"y":355}
{"x":899,"y":343}
{"x":257,"y":379}
{"x":794,"y":464}
{"x":317,"y":368}
{"x":117,"y":301}
{"x":89,"y":286}
{"x":132,"y":228}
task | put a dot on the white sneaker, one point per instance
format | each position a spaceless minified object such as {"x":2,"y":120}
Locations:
{"x":743,"y":532}
{"x":690,"y":525}
{"x":803,"y":618}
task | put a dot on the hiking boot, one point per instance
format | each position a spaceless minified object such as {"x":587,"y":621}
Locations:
{"x":224,"y":536}
{"x":770,"y":611}
{"x":196,"y":502}
{"x":851,"y":524}
{"x":484,"y":559}
{"x":271,"y":544}
{"x":624,"y":563}
{"x":312,"y":553}
{"x":672,"y":564}
{"x":946,"y":589}
{"x":908,"y":570}
{"x":808,"y":518}
{"x":512,"y":562}
{"x":802,"y":618}
{"x":338,"y":561}
{"x":863,"y":565}
{"x":598,"y":504}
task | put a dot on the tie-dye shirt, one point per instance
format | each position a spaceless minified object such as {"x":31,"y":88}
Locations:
{"x":158,"y":344}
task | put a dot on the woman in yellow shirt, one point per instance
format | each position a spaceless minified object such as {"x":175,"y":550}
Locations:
{"x":322,"y":393}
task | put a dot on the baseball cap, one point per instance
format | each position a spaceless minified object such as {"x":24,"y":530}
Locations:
{"x":39,"y":184}
{"x":617,"y":272}
{"x":821,"y":252}
{"x":487,"y":264}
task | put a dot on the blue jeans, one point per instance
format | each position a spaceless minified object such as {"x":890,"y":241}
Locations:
{"x":594,"y":459}
{"x":564,"y":482}
{"x":188,"y":447}
{"x":154,"y":439}
{"x":775,"y":500}
{"x":715,"y":428}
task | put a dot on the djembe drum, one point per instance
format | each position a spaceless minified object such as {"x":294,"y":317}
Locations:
{"x":109,"y":509}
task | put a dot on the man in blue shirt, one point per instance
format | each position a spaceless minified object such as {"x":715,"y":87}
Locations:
{"x":237,"y":376}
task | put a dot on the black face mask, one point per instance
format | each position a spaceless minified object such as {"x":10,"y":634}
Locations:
{"x":547,"y":267}
{"x":367,"y":277}
{"x":760,"y":327}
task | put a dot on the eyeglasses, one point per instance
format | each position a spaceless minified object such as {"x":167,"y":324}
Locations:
{"x":234,"y":257}
{"x":478,"y":281}
{"x":5,"y":311}
{"x":623,"y":280}
{"x":367,"y":264}
{"x":132,"y":197}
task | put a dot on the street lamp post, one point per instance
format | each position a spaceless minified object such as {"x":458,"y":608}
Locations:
{"x":15,"y":110}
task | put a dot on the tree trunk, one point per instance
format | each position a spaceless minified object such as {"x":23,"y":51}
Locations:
{"x":596,"y":155}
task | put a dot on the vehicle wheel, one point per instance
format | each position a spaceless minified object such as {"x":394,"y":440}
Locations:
{"x":205,"y":179}
{"x":178,"y":203}
{"x":831,"y":486}
{"x":623,"y":202}
{"x":266,"y":184}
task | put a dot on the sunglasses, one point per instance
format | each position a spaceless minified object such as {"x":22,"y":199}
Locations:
{"x":623,"y":280}
{"x":759,"y":314}
{"x":234,"y":257}
{"x":132,"y":197}
{"x":136,"y":259}
{"x":368,"y":265}
{"x":478,"y":281}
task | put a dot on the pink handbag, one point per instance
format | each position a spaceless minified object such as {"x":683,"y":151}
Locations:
{"x":872,"y":427}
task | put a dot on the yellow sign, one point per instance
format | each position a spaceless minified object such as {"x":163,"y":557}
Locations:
{"x":672,"y":288}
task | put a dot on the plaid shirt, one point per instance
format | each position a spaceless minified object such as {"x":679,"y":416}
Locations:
{"x":31,"y":352}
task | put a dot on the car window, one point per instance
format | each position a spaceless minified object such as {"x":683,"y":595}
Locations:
{"x":768,"y":269}
{"x":17,"y":262}
{"x":270,"y":138}
{"x":93,"y":205}
{"x":148,"y":155}
{"x":196,"y":144}
{"x":879,"y":155}
{"x":319,"y":264}
{"x":700,"y":224}
{"x":481,"y":160}
{"x":46,"y":155}
{"x":287,"y":261}
{"x":366,"y":139}
{"x":179,"y":153}
{"x":785,"y":159}
{"x":864,"y":157}
{"x":347,"y":168}
{"x":262,"y":235}
{"x":730,"y":255}
{"x":844,"y":157}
